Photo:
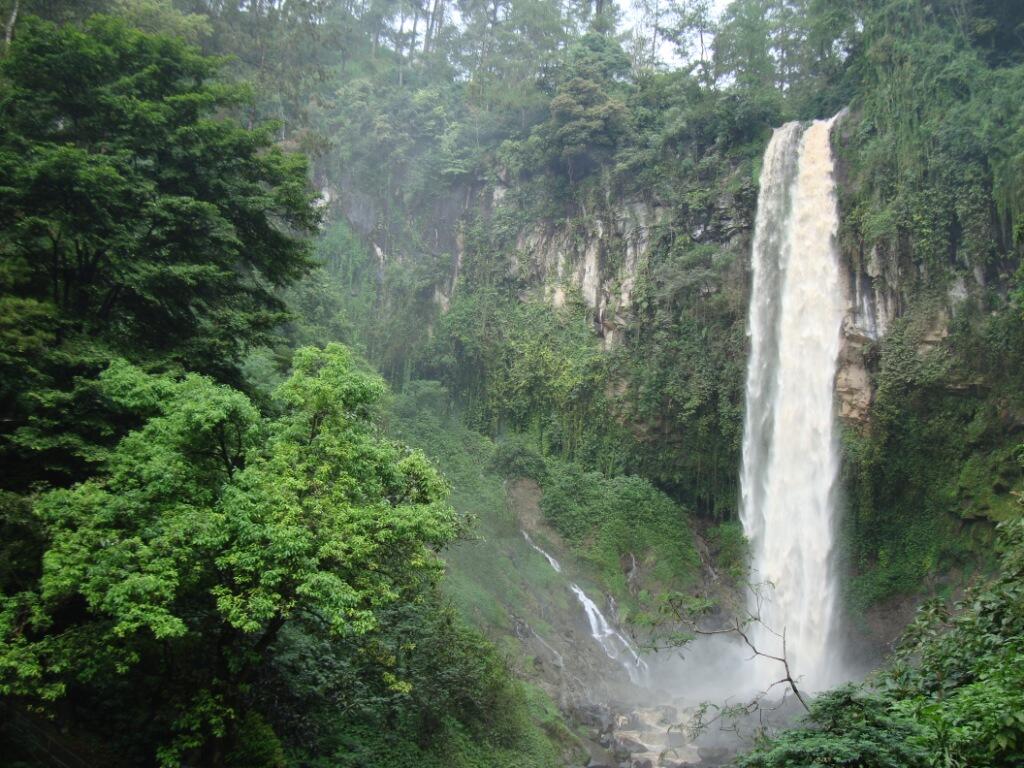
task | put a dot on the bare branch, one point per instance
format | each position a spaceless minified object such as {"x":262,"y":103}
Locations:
{"x":738,"y":628}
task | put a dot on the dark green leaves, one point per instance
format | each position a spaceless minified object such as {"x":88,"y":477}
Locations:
{"x":137,"y":219}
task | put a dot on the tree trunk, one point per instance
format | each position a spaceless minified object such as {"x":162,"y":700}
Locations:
{"x":415,"y":28}
{"x":9,"y":28}
{"x":434,"y":21}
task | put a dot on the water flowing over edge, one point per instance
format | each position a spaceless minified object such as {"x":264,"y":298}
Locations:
{"x":790,"y":446}
{"x":612,"y":642}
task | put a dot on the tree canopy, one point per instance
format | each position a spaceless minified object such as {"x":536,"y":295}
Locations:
{"x":137,"y":218}
{"x":208,"y":530}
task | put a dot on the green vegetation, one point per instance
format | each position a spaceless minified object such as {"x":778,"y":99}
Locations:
{"x":619,"y":524}
{"x":215,"y":548}
{"x":603,"y":522}
{"x":942,"y":459}
{"x":211,"y":555}
{"x":137,"y":220}
{"x":952,"y":696}
{"x":208,"y":530}
{"x":928,"y":153}
{"x":482,"y":577}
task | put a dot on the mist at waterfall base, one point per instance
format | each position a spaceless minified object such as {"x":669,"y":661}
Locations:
{"x":715,"y":668}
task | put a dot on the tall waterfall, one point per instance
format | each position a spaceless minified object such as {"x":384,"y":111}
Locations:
{"x":790,"y":451}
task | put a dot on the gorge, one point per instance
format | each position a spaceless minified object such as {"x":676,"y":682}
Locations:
{"x":511,"y":383}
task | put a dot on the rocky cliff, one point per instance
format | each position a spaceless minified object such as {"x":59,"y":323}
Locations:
{"x":601,"y":256}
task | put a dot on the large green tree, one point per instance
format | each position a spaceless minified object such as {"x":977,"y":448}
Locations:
{"x":137,"y":219}
{"x":209,"y":530}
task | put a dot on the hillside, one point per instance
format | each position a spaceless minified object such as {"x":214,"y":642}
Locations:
{"x":376,"y":380}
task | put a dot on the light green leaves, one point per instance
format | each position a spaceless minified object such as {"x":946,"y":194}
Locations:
{"x":212,"y":526}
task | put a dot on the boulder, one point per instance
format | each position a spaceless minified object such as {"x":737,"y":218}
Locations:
{"x":714,"y":755}
{"x":624,"y":746}
{"x":594,"y":715}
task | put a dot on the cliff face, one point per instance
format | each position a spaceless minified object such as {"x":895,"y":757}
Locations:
{"x":873,"y":284}
{"x":875,"y":287}
{"x":870,"y":307}
{"x":599,"y":256}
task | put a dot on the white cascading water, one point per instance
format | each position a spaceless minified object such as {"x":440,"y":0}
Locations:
{"x":551,"y":561}
{"x":790,"y":450}
{"x":612,"y":642}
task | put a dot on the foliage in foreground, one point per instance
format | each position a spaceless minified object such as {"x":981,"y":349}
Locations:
{"x":210,"y":529}
{"x":953,"y":696}
{"x":190,"y":573}
{"x":238,"y":589}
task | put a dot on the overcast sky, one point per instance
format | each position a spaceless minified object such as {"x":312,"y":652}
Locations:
{"x":630,"y":15}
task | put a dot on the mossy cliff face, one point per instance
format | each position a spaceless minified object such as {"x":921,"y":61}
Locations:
{"x":600,"y":257}
{"x":599,"y":250}
{"x":609,"y":324}
{"x":926,"y":386}
{"x":603,"y":257}
{"x":922,"y":409}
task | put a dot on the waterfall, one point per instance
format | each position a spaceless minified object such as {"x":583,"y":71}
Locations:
{"x":790,"y":450}
{"x":551,"y":561}
{"x":612,"y":642}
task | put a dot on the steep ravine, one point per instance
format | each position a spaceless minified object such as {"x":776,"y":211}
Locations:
{"x":605,"y":258}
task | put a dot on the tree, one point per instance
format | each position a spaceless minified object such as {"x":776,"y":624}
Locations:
{"x":588,"y":120}
{"x":160,"y":16}
{"x":690,"y":26}
{"x":209,"y":530}
{"x":136,"y":219}
{"x":744,"y":44}
{"x":647,"y":34}
{"x":844,"y":727}
{"x":587,"y":124}
{"x":13,"y":11}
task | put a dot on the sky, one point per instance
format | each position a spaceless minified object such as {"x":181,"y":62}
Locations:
{"x":630,"y":17}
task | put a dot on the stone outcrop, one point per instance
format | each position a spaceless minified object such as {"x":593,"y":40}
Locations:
{"x":869,"y":311}
{"x":875,"y":285}
{"x":598,"y":256}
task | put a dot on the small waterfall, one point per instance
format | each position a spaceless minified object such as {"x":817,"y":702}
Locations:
{"x":551,"y":561}
{"x":790,"y":450}
{"x":612,"y":642}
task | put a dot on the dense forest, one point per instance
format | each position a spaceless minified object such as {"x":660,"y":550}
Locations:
{"x":314,"y":311}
